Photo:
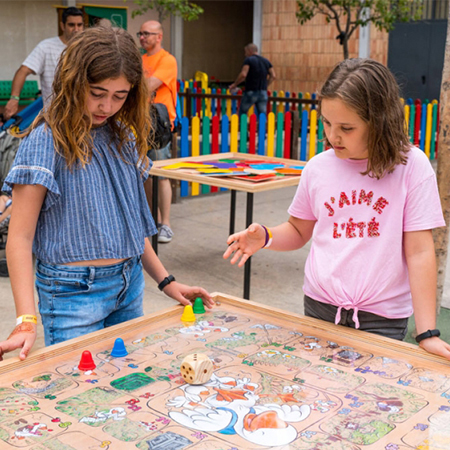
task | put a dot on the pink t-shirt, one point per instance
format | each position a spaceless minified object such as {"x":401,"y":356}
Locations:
{"x":356,"y":259}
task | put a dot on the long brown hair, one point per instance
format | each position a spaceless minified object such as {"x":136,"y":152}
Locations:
{"x":92,"y":56}
{"x":370,"y":89}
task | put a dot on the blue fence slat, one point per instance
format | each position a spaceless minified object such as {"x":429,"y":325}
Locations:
{"x":304,"y":134}
{"x":184,"y":152}
{"x":423,"y":126}
{"x":262,"y":134}
{"x":233,"y":107}
{"x":213,"y":102}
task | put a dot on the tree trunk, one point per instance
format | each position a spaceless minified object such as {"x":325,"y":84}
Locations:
{"x":441,"y":237}
{"x":345,"y":47}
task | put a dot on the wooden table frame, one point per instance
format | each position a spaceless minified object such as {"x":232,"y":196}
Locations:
{"x":226,"y":182}
{"x":341,"y":380}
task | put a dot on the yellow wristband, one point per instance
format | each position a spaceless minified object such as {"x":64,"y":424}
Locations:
{"x":269,"y":237}
{"x":26,"y":318}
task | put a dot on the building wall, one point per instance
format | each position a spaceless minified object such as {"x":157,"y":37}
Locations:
{"x":214,"y":43}
{"x":24,"y":24}
{"x":304,"y":55}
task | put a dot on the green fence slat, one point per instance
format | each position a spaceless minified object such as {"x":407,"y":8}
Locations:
{"x":280,"y":126}
{"x":243,"y":134}
{"x":433,"y":133}
{"x":206,"y":148}
{"x":319,"y":136}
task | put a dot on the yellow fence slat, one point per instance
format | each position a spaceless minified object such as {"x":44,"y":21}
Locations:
{"x":312,"y":133}
{"x":270,"y":134}
{"x":234,"y":133}
{"x":428,"y":129}
{"x":195,"y":148}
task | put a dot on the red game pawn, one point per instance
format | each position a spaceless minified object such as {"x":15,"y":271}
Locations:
{"x":86,"y":362}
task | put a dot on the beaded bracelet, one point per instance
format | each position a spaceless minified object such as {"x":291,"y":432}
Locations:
{"x":269,"y":237}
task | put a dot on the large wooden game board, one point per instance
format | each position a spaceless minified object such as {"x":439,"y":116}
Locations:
{"x":280,"y":381}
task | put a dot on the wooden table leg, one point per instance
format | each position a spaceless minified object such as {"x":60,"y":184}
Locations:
{"x":232,"y":211}
{"x":155,"y":211}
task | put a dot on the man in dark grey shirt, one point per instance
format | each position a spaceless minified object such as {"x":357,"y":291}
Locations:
{"x":258,"y":73}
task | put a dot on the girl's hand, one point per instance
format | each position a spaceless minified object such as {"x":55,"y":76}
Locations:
{"x":186,"y":295}
{"x":23,"y":336}
{"x":245,"y":243}
{"x":436,"y":346}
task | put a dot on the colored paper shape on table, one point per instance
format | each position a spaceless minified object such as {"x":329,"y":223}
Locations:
{"x":257,"y":178}
{"x":222,"y":165}
{"x":222,"y":174}
{"x":297,"y":167}
{"x":266,"y":166}
{"x":258,"y":171}
{"x":289,"y":171}
{"x":186,"y":165}
{"x":217,"y":170}
{"x":260,"y":161}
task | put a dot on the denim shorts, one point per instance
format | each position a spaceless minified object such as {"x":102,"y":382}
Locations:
{"x":257,"y":98}
{"x":392,"y":328}
{"x":160,"y":154}
{"x":76,"y":300}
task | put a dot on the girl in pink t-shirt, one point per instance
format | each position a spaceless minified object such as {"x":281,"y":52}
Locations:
{"x":369,"y":204}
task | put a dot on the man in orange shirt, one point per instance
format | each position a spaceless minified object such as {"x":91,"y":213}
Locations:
{"x":160,"y":68}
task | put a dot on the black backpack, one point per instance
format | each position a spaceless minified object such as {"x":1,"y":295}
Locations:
{"x":161,"y":133}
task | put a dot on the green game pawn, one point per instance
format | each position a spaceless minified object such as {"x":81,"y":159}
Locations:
{"x":199,"y":307}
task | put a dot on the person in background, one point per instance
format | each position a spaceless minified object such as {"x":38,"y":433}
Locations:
{"x":160,"y":69}
{"x":43,"y":60}
{"x":369,"y":204}
{"x":258,"y":73}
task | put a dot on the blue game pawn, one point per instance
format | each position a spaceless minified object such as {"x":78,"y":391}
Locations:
{"x":119,"y":349}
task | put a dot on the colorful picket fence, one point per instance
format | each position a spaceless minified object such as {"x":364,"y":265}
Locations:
{"x":292,"y":133}
{"x":197,"y":106}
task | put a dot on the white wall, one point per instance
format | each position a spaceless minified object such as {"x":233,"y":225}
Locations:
{"x":23,"y":24}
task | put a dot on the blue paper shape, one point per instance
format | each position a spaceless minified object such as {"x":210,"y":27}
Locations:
{"x":266,"y":166}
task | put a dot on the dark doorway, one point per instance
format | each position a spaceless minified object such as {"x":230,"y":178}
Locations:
{"x":214,"y":43}
{"x":416,"y":57}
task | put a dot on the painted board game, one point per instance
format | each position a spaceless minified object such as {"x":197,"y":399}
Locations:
{"x":279,"y":381}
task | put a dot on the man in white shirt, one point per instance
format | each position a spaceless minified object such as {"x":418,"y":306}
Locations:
{"x":43,"y":60}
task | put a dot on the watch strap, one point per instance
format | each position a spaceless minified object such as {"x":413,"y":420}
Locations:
{"x":427,"y":334}
{"x":165,"y":282}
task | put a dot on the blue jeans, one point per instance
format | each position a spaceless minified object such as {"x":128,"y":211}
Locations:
{"x":257,"y":98}
{"x":76,"y":300}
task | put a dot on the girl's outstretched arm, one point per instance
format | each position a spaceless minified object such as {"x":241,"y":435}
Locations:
{"x":290,"y":235}
{"x":28,"y":202}
{"x":183,"y":293}
{"x":421,"y":261}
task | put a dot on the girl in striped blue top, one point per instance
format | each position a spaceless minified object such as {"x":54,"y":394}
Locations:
{"x":79,"y":202}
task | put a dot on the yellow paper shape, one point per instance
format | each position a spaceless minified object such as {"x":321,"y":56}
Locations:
{"x":187,"y":165}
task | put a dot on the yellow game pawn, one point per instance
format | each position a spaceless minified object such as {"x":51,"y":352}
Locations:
{"x":196,"y":368}
{"x":188,"y":314}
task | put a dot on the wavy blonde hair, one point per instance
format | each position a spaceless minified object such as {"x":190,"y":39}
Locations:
{"x":370,"y":89}
{"x":92,"y":56}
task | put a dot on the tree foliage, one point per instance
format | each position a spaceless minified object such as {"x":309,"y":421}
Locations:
{"x":183,"y":8}
{"x":348,"y":15}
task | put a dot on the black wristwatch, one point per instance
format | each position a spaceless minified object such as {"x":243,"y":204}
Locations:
{"x":427,"y":334}
{"x":165,"y":282}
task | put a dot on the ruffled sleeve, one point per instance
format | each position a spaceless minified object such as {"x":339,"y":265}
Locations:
{"x":35,"y":164}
